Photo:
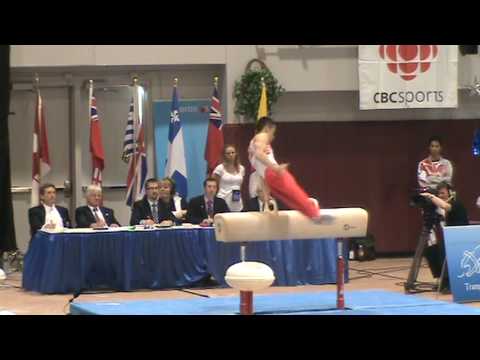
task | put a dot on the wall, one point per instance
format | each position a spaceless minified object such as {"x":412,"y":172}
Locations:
{"x":300,"y":69}
{"x":372,"y":164}
{"x":321,"y":104}
{"x":66,"y":110}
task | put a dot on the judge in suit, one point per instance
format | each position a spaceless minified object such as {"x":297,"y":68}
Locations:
{"x":203,"y":208}
{"x":94,"y":215}
{"x":48,"y":216}
{"x":256,"y":203}
{"x":149,"y":210}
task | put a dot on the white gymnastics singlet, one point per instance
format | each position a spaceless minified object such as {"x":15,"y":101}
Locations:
{"x":257,"y":165}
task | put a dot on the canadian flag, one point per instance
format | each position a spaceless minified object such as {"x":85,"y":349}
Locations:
{"x":41,"y":164}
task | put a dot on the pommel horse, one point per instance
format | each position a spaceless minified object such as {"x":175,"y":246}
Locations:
{"x":269,"y":225}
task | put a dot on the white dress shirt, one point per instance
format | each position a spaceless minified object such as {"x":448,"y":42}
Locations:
{"x":52,"y":216}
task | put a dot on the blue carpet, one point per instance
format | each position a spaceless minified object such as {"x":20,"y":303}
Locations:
{"x":367,"y":302}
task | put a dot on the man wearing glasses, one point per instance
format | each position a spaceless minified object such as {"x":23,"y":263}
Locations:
{"x":149,"y":210}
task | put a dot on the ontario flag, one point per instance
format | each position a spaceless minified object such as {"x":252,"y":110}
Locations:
{"x":134,"y":152}
{"x":176,"y":167}
{"x":41,"y":164}
{"x":96,"y":144}
{"x":215,"y":141}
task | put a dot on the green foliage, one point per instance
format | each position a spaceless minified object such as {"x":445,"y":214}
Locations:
{"x":248,"y":91}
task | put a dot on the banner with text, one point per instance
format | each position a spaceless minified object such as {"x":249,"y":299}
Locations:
{"x":408,"y":76}
{"x":462,"y":245}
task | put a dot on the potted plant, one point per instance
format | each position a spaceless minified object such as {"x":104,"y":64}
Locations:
{"x":248,"y":89}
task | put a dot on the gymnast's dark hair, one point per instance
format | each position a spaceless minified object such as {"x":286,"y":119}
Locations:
{"x":435,"y":138}
{"x":264,"y":122}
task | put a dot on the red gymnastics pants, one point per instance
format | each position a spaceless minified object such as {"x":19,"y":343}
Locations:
{"x":285,"y":188}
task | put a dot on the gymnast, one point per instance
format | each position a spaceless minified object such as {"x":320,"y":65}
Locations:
{"x":274,"y":178}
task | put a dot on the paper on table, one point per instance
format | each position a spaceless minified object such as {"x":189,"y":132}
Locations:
{"x":6,"y":312}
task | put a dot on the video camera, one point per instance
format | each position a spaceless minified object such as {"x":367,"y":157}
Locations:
{"x":430,"y":215}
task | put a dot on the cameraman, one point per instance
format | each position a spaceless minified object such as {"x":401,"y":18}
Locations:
{"x":454,"y":214}
{"x":452,"y":209}
{"x":434,"y":169}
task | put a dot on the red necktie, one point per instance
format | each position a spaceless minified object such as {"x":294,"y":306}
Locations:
{"x":210,"y":208}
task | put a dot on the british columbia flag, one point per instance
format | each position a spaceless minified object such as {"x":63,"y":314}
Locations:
{"x":134,"y":151}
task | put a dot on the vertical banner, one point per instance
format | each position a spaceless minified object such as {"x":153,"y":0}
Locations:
{"x":194,"y":115}
{"x":462,"y":246}
{"x":408,"y":76}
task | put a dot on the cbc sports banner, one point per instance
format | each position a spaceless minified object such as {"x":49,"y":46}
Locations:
{"x":408,"y":76}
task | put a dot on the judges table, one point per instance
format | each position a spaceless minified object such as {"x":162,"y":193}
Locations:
{"x":178,"y":257}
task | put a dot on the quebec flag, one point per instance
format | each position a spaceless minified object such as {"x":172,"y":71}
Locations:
{"x":176,"y":164}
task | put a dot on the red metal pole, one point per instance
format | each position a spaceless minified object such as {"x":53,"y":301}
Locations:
{"x":246,"y":302}
{"x":340,"y":276}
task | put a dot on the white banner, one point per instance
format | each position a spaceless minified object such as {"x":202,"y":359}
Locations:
{"x":408,"y":76}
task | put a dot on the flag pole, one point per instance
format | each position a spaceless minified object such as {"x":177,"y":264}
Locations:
{"x":135,"y":140}
{"x":34,"y":199}
{"x":37,"y":110}
{"x":90,"y":95}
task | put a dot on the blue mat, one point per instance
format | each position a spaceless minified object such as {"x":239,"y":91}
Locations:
{"x":368,"y":302}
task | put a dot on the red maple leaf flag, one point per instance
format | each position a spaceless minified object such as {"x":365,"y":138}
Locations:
{"x":41,"y":164}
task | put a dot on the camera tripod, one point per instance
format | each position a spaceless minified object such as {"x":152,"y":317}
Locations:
{"x":412,"y":285}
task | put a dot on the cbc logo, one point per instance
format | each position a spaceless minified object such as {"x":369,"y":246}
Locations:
{"x":408,"y":60}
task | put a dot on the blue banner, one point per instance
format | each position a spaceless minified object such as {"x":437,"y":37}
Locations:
{"x":462,"y":245}
{"x":194,"y":115}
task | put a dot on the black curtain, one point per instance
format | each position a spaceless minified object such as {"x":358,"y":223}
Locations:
{"x":7,"y":229}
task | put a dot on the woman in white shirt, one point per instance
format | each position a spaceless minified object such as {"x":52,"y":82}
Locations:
{"x":230,"y":176}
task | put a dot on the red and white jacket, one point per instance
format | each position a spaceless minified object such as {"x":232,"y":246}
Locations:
{"x":431,"y":173}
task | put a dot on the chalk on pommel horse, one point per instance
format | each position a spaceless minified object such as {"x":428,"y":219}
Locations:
{"x":284,"y":225}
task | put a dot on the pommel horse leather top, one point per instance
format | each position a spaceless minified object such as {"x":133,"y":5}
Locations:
{"x":290,"y":225}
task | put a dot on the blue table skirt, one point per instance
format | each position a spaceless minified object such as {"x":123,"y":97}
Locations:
{"x":176,"y":258}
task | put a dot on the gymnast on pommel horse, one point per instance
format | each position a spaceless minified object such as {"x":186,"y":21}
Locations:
{"x":275,"y":178}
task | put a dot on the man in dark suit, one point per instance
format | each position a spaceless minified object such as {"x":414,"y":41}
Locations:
{"x":203,"y":208}
{"x":94,"y":215}
{"x":48,"y":216}
{"x":256,"y":203}
{"x":150,"y":210}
